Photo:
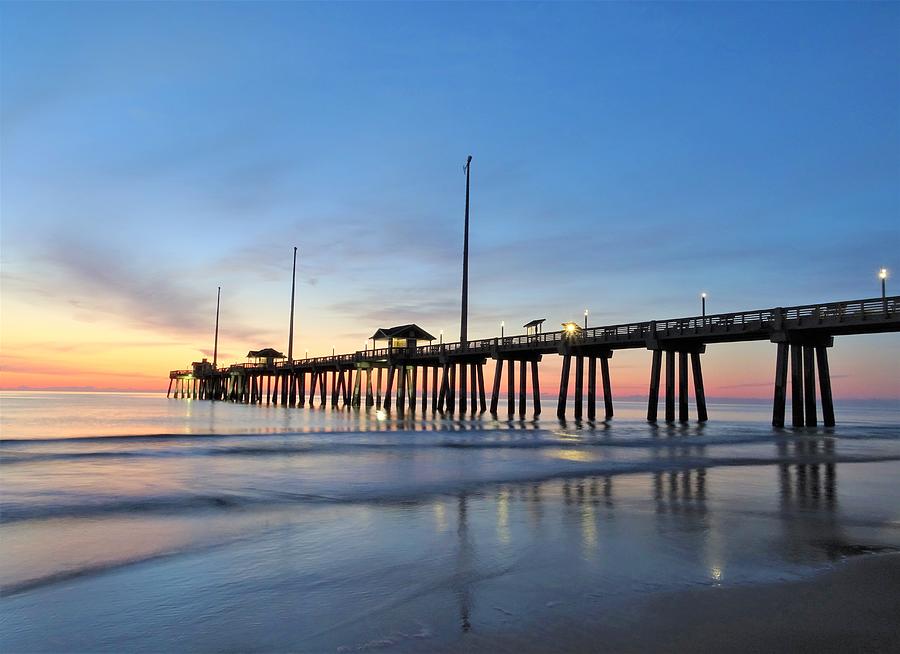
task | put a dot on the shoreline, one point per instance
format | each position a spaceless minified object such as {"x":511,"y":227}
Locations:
{"x":852,"y":607}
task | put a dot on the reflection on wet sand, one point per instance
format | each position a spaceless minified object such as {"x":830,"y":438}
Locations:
{"x":682,"y":499}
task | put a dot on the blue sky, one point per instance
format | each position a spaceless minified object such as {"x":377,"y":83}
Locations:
{"x":627,"y":157}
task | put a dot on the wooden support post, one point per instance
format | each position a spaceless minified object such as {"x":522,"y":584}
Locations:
{"x":592,"y":388}
{"x":473,"y":387}
{"x":511,"y":388}
{"x":301,"y":390}
{"x":682,"y":386}
{"x":313,"y":378}
{"x":563,"y":386}
{"x":370,"y":396}
{"x":809,"y":384}
{"x":796,"y":386}
{"x":522,"y":365}
{"x":275,"y":382}
{"x":670,"y":386}
{"x":424,"y":389}
{"x":170,"y":388}
{"x":462,"y":388}
{"x":607,"y":387}
{"x":378,"y":389}
{"x":268,"y":389}
{"x":323,"y":384}
{"x":781,"y":370}
{"x":535,"y":389}
{"x":434,"y":388}
{"x":414,"y":388}
{"x":495,"y":390}
{"x":653,"y":400}
{"x":356,"y":397}
{"x":825,"y":386}
{"x":401,"y":388}
{"x":482,"y":405}
{"x":579,"y":386}
{"x":451,"y":390}
{"x":337,"y":387}
{"x":699,"y":392}
{"x":389,"y":388}
{"x":445,"y":382}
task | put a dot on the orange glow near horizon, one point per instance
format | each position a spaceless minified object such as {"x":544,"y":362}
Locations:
{"x":69,"y":354}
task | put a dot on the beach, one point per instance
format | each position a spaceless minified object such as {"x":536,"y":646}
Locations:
{"x":196,"y":526}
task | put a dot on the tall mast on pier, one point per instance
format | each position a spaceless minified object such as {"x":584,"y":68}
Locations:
{"x":216,"y":340}
{"x":293,"y":286}
{"x":464,"y":319}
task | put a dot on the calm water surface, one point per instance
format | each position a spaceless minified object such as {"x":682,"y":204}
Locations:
{"x":132,"y":522}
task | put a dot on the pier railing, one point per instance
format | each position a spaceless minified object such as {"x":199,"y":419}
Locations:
{"x":761,"y":320}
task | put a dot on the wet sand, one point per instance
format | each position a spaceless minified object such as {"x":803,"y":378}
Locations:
{"x":853,"y":608}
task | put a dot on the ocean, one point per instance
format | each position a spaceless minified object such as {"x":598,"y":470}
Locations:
{"x":130,"y":522}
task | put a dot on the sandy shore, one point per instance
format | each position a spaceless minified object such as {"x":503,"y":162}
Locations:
{"x":854,"y":608}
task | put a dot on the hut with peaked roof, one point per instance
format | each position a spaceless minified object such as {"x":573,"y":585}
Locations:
{"x":265,"y":356}
{"x":400,"y":337}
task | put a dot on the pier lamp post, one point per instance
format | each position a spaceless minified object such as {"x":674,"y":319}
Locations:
{"x":442,"y":337}
{"x":703,"y":304}
{"x":307,"y":354}
{"x":882,"y":274}
{"x":332,"y":350}
{"x":585,"y":318}
{"x":502,"y":326}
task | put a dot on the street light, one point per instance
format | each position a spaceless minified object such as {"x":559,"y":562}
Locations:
{"x":332,"y":350}
{"x":585,"y":318}
{"x":703,"y":304}
{"x":882,"y":274}
{"x":502,"y":326}
{"x":442,"y":337}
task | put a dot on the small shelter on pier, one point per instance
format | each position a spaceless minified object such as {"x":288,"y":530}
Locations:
{"x":400,"y":337}
{"x":202,"y":368}
{"x":265,"y":357}
{"x":534,"y":327}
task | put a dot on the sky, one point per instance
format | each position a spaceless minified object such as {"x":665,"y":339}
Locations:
{"x":627,"y":157}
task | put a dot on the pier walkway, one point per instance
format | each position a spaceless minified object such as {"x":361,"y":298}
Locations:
{"x":450,"y":376}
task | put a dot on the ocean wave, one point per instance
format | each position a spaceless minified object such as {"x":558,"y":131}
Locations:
{"x":179,"y":503}
{"x":17,"y":452}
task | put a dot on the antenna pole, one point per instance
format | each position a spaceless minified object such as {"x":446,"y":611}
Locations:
{"x":293,"y":286}
{"x":216,"y":341}
{"x":463,"y":323}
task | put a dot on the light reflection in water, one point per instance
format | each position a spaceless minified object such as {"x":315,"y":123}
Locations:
{"x":589,"y":530}
{"x":440,"y":516}
{"x":503,"y":517}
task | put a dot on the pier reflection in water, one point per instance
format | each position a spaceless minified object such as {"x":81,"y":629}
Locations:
{"x":693,"y":526}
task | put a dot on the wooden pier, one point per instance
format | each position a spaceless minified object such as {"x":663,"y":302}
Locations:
{"x":449,"y":377}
